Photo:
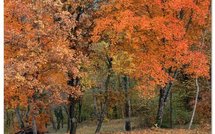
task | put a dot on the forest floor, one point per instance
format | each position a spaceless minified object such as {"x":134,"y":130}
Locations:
{"x":117,"y":127}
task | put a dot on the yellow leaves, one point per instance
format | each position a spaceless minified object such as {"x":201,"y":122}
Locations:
{"x":19,"y":78}
{"x":100,"y":47}
{"x":87,"y":82}
{"x":123,"y":62}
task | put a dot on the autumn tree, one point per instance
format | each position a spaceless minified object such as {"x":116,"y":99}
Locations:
{"x":162,"y":37}
{"x":55,"y":50}
{"x":42,"y":54}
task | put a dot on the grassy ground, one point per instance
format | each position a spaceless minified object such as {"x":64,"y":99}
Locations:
{"x":117,"y":127}
{"x":89,"y":127}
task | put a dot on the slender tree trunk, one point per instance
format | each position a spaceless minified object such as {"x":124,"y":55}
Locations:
{"x":115,"y":111}
{"x":73,"y":122}
{"x":127,"y":105}
{"x":170,"y":109}
{"x":68,"y":118}
{"x":79,"y":110}
{"x":169,"y":86}
{"x":19,"y":118}
{"x":106,"y":88}
{"x":100,"y":121}
{"x":7,"y":118}
{"x":196,"y":101}
{"x":34,"y":126}
{"x":62,"y":123}
{"x":160,"y":108}
{"x":27,"y":114}
{"x":68,"y":124}
{"x":58,"y":123}
{"x":12,"y":119}
{"x":61,"y":116}
{"x":122,"y":112}
{"x":104,"y":107}
{"x":52,"y":121}
{"x":95,"y":105}
{"x":164,"y":93}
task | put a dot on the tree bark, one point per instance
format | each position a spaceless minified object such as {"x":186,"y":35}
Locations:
{"x":34,"y":126}
{"x":68,"y":118}
{"x":62,"y":117}
{"x":73,"y":122}
{"x":95,"y":104}
{"x":160,"y":108}
{"x":57,"y":118}
{"x":115,"y":111}
{"x":106,"y":88}
{"x":7,"y":118}
{"x":100,"y":121}
{"x":27,"y":115}
{"x":68,"y":124}
{"x":127,"y":105}
{"x":79,"y":110}
{"x":195,"y":105}
{"x":104,"y":107}
{"x":164,"y":93}
{"x":59,"y":115}
{"x":52,"y":121}
{"x":19,"y":118}
{"x":170,"y":109}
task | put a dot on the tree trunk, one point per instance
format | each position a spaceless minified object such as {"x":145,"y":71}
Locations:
{"x":7,"y":118}
{"x":58,"y":123}
{"x":95,"y":104}
{"x":160,"y":108}
{"x":100,"y":121}
{"x":62,"y":117}
{"x":68,"y":118}
{"x":27,"y":115}
{"x":196,"y":101}
{"x":52,"y":121}
{"x":127,"y":105}
{"x":169,"y":86}
{"x":115,"y":111}
{"x":104,"y":107}
{"x":73,"y":122}
{"x":34,"y":126}
{"x":79,"y":110}
{"x":59,"y":115}
{"x":68,"y":124}
{"x":170,"y":109}
{"x":164,"y":93}
{"x":19,"y":118}
{"x":12,"y":114}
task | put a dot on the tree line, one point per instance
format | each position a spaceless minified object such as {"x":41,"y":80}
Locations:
{"x":57,"y":50}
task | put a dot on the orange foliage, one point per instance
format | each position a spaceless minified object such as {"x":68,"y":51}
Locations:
{"x":159,"y":34}
{"x":38,"y":54}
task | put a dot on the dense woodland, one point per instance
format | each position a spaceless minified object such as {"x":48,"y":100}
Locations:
{"x":78,"y":66}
